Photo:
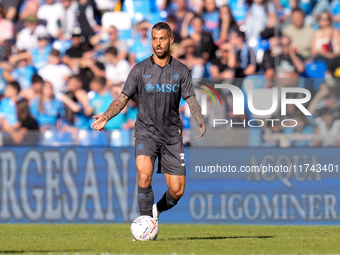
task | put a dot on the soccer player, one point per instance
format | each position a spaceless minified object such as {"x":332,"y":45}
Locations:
{"x":159,"y":82}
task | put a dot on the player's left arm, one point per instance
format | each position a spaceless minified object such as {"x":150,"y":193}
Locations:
{"x":195,"y":110}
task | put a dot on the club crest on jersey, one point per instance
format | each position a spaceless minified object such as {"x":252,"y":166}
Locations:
{"x":140,"y":146}
{"x":149,"y":87}
{"x":147,"y":76}
{"x":175,"y":76}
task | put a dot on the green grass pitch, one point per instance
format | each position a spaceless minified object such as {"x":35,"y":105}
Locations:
{"x":179,"y":239}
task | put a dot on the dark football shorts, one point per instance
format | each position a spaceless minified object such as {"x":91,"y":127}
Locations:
{"x":170,"y":156}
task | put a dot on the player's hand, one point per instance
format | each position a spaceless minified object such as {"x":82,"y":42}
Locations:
{"x":99,"y":123}
{"x":203,"y":129}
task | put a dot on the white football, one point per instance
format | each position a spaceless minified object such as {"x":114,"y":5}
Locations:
{"x":144,"y":228}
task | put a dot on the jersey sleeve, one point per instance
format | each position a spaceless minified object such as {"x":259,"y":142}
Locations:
{"x":131,"y":84}
{"x":186,"y":85}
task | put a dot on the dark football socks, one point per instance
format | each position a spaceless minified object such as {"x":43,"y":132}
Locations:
{"x":166,"y":202}
{"x":145,"y":200}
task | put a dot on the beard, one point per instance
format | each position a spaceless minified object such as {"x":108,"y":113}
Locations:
{"x":163,"y":53}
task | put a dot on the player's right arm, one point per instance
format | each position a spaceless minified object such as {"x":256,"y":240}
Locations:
{"x":115,"y":107}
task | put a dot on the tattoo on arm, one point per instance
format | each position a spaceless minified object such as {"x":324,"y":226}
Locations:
{"x":116,"y":106}
{"x":195,"y":110}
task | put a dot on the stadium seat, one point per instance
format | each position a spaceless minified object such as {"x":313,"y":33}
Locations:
{"x":92,"y":138}
{"x":315,"y":69}
{"x":121,"y":138}
{"x":56,"y":138}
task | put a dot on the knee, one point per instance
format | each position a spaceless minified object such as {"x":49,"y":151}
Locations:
{"x":144,"y":180}
{"x":177,"y":192}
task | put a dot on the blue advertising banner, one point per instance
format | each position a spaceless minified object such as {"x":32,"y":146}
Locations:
{"x":99,"y":185}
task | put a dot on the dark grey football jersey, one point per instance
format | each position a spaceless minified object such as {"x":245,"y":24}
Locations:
{"x":159,"y":91}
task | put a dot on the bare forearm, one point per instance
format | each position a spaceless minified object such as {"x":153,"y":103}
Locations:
{"x":116,"y":106}
{"x":195,"y":109}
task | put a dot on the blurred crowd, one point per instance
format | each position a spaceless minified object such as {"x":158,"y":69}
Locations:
{"x":63,"y":61}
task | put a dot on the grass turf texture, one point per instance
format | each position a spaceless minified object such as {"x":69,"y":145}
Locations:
{"x":180,"y":239}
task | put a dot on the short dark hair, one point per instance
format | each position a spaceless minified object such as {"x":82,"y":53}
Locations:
{"x":162,"y":26}
{"x":76,"y":77}
{"x":15,"y":85}
{"x":87,"y":47}
{"x":99,"y":80}
{"x":55,"y":53}
{"x":36,"y":78}
{"x":240,"y":34}
{"x":171,"y":18}
{"x":112,"y":50}
{"x":297,"y":9}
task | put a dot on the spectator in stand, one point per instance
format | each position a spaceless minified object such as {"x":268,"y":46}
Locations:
{"x":35,"y":90}
{"x":22,"y":73}
{"x":141,"y":47}
{"x":285,"y":62}
{"x":326,"y":40}
{"x":180,"y":12}
{"x":261,"y":16}
{"x":52,"y":13}
{"x":55,"y":72}
{"x":100,"y":99}
{"x":121,"y":120}
{"x":68,"y":18}
{"x":335,"y":12}
{"x":188,"y":54}
{"x":89,"y":67}
{"x":112,"y":41}
{"x":328,"y":128}
{"x":85,"y":18}
{"x":130,"y":114}
{"x":222,"y":68}
{"x":77,"y":107}
{"x":8,"y":113}
{"x":28,"y":37}
{"x":11,"y":8}
{"x":227,"y":23}
{"x":47,"y":109}
{"x":116,"y":70}
{"x":74,"y":54}
{"x":28,"y":8}
{"x":302,"y":127}
{"x":300,"y":34}
{"x":172,"y":22}
{"x":6,"y":28}
{"x":326,"y":97}
{"x":38,"y":56}
{"x":245,"y":56}
{"x":211,"y":18}
{"x":205,"y":46}
{"x":26,"y":123}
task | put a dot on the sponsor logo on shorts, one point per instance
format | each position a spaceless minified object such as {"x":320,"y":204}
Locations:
{"x":141,"y":195}
{"x":149,"y":87}
{"x":175,"y":76}
{"x":140,"y":146}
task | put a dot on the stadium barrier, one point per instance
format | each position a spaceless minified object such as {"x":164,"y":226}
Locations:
{"x":99,"y":185}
